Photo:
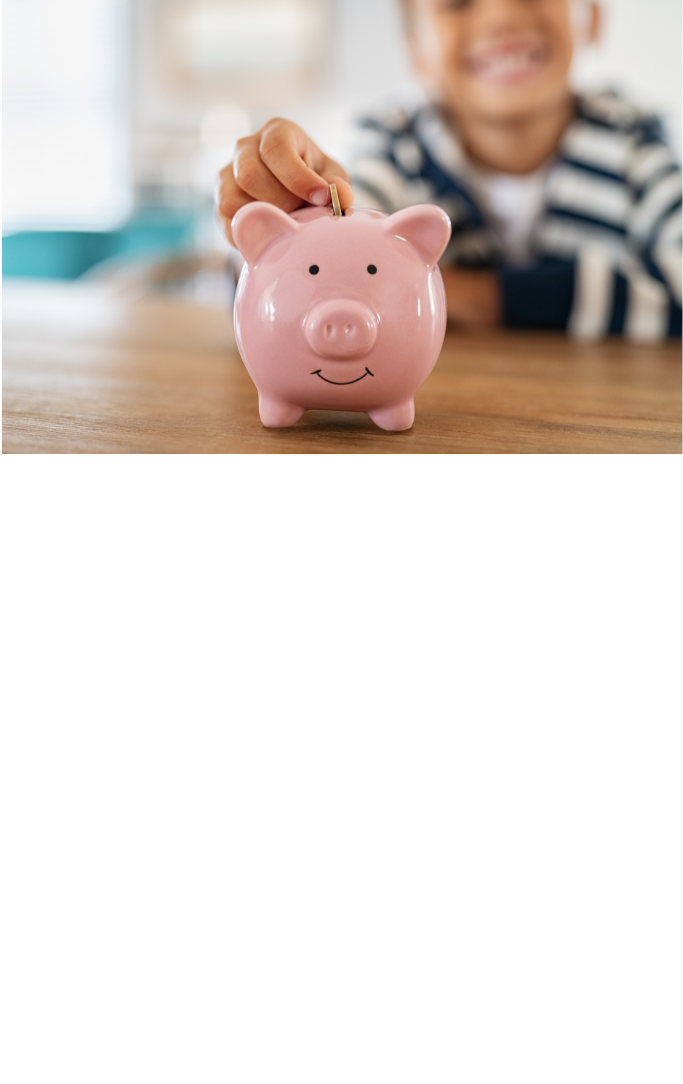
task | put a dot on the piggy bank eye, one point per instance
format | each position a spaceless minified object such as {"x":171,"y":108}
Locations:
{"x":372,"y":270}
{"x":313,"y":269}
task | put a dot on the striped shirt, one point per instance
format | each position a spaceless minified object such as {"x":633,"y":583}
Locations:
{"x":604,"y":246}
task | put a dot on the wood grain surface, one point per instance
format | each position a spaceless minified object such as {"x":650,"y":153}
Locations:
{"x":86,"y":370}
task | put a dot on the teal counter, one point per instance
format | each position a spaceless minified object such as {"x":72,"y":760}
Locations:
{"x":56,"y":254}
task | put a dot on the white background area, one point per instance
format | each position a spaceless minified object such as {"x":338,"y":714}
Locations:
{"x":341,"y":770}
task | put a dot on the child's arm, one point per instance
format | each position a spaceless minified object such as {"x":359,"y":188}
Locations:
{"x":473,"y":298}
{"x":279,"y":165}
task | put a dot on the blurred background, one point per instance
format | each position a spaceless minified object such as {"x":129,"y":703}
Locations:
{"x":118,"y":115}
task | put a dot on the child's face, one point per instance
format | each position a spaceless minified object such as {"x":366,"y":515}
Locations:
{"x":498,"y":59}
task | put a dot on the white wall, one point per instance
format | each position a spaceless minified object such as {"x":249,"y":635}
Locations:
{"x":370,"y":64}
{"x":640,"y":53}
{"x":65,"y":71}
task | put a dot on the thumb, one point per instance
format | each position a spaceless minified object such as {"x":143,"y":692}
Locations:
{"x":344,"y":189}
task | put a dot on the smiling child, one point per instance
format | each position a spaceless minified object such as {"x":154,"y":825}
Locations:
{"x":566,"y":209}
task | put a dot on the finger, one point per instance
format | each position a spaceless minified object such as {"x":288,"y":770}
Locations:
{"x":282,"y":154}
{"x":331,"y":172}
{"x":323,"y":165}
{"x":256,"y":179}
{"x":226,"y":222}
{"x":229,"y":197}
{"x":344,"y":189}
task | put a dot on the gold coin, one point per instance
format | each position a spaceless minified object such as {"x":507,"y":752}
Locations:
{"x":336,"y":205}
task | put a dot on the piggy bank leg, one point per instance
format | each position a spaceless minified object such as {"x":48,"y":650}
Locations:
{"x":395,"y":417}
{"x":275,"y":414}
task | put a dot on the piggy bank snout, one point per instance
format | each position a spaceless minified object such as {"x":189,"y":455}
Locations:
{"x":341,"y":329}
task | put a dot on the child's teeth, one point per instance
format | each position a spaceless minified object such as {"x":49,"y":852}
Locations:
{"x":507,"y":64}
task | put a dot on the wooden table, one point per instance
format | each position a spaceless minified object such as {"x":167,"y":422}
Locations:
{"x":87,"y":370}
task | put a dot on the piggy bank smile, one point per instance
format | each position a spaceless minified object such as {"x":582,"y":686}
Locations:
{"x":341,"y":383}
{"x":340,"y":313}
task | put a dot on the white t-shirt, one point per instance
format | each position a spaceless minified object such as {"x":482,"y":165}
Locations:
{"x":513,"y":202}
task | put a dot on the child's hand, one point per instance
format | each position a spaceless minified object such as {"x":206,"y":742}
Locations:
{"x":279,"y":165}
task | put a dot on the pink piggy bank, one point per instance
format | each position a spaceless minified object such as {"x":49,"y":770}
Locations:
{"x":340,"y":313}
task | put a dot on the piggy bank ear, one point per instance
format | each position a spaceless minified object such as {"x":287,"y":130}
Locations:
{"x":256,"y":226}
{"x":426,"y":227}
